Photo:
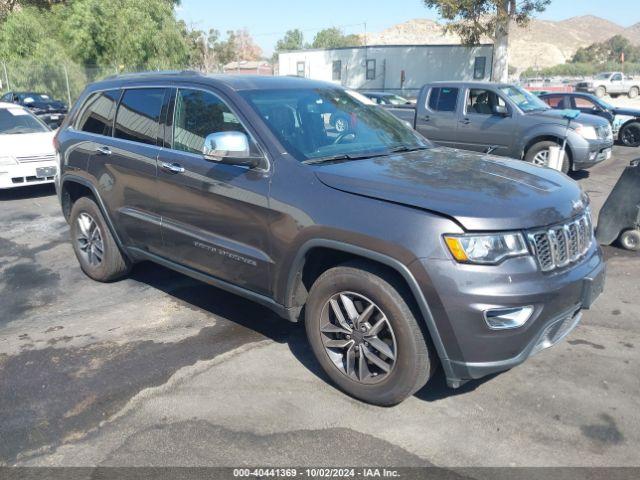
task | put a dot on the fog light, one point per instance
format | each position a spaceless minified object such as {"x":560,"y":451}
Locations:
{"x":506,"y":318}
{"x":592,"y":156}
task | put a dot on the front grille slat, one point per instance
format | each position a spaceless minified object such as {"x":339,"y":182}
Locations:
{"x":561,"y":245}
{"x":37,"y":158}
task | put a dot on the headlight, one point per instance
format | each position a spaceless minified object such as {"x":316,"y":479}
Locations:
{"x":588,"y":133}
{"x":8,"y":161}
{"x":486,"y":248}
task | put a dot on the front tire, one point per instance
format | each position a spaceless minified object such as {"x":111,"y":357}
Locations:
{"x":630,"y":135}
{"x":365,"y":335}
{"x":538,"y":155}
{"x":630,"y":240}
{"x":634,"y":92}
{"x":96,"y":250}
{"x":601,"y":92}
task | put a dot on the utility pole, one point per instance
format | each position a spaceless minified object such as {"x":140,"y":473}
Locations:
{"x":66,"y":77}
{"x":6,"y":77}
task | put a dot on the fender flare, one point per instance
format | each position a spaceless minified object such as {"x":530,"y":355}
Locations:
{"x":391,"y":262}
{"x":70,"y":178}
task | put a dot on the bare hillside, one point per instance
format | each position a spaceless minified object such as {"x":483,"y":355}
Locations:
{"x":542,"y":43}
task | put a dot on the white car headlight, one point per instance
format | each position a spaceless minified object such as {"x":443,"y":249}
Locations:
{"x":588,"y":133}
{"x":486,"y":248}
{"x":8,"y":161}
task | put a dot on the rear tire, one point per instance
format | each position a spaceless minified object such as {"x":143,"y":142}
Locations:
{"x":630,"y":134}
{"x":630,"y":240}
{"x":601,"y":92}
{"x":96,"y":250}
{"x":634,"y":92}
{"x":399,"y":345}
{"x":538,"y":155}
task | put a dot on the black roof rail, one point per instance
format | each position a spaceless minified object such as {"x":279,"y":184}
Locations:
{"x":151,"y":73}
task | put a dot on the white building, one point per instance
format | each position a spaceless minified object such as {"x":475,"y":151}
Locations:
{"x":390,"y":67}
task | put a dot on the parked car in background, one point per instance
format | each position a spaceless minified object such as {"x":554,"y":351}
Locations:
{"x":27,"y":155}
{"x":625,"y":122}
{"x":610,"y":83}
{"x":384,"y":243}
{"x":386,"y":98}
{"x":506,"y":120}
{"x":52,"y":112}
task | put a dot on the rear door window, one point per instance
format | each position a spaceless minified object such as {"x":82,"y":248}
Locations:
{"x":554,"y":101}
{"x":443,"y":99}
{"x":98,"y":112}
{"x":138,"y":117}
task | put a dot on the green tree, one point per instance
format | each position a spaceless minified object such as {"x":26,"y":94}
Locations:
{"x":475,"y":19}
{"x":610,"y":50}
{"x":334,"y":38}
{"x":127,"y":34}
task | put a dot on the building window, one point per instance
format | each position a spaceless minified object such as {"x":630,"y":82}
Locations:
{"x":371,"y":69}
{"x":336,"y":73}
{"x":479,"y":68}
{"x":300,"y":69}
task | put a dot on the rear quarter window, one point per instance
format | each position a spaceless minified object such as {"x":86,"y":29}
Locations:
{"x":96,"y":115}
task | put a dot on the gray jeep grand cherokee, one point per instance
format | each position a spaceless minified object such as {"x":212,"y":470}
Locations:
{"x":397,"y":254}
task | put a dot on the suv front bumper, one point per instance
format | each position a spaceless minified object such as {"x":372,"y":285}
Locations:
{"x":592,"y":153}
{"x":473,"y":350}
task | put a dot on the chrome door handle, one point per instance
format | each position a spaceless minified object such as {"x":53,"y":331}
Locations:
{"x":103,"y":150}
{"x":172,"y":167}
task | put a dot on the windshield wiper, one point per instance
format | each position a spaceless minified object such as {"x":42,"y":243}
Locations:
{"x":349,"y":156}
{"x":341,"y":157}
{"x":404,"y":148}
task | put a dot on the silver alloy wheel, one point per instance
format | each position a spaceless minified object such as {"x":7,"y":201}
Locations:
{"x":341,"y":125}
{"x":541,"y":158}
{"x":89,"y":239}
{"x":358,"y":337}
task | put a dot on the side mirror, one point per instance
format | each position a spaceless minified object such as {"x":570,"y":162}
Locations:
{"x":231,"y":148}
{"x":500,"y":110}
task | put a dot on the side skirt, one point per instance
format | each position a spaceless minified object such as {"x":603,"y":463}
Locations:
{"x":290,"y":314}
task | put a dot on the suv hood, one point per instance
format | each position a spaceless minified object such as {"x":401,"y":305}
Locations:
{"x":557,"y":116}
{"x":52,"y":105}
{"x":481,"y":192}
{"x":631,"y":112}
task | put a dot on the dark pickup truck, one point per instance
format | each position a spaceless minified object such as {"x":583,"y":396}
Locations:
{"x":507,"y":121}
{"x":396,"y":258}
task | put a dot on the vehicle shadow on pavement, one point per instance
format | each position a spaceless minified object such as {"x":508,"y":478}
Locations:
{"x":194,"y":294}
{"x":233,"y":308}
{"x":31,"y":191}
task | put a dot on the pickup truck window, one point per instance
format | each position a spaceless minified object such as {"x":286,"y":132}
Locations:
{"x":443,"y":99}
{"x":616,"y":78}
{"x":198,"y":114}
{"x":527,"y":102}
{"x":483,"y":102}
{"x":304,"y":120}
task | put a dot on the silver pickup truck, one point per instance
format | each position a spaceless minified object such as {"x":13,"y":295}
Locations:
{"x":505,"y":120}
{"x":611,"y":83}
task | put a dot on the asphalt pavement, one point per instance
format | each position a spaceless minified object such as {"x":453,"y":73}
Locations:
{"x":159,"y":369}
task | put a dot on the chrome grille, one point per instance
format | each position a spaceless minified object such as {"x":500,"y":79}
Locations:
{"x":37,"y":158}
{"x":560,"y":245}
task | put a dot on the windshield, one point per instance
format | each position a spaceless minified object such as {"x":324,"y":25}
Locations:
{"x":602,"y":103}
{"x":29,"y":97}
{"x":603,"y":76}
{"x":14,"y":121}
{"x":317,"y":123}
{"x":527,"y":102}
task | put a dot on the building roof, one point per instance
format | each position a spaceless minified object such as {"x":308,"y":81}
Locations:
{"x":370,"y":47}
{"x":247,"y":65}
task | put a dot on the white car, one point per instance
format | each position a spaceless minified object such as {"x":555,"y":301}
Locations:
{"x":27,"y":154}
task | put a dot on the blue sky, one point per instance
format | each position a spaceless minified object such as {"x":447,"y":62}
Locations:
{"x":267,"y":20}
